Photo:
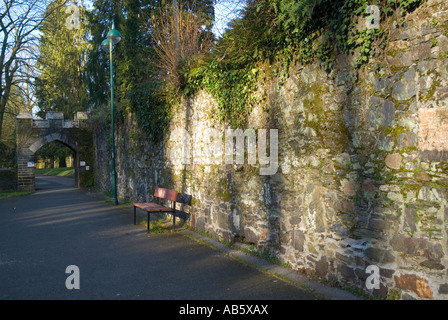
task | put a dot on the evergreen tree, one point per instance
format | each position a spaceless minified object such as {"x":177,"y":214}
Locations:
{"x":61,"y":84}
{"x":137,"y":85}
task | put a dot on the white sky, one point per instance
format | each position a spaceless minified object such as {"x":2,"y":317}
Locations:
{"x":225,"y":11}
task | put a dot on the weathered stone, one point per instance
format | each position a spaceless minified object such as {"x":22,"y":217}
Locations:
{"x":393,"y":160}
{"x":298,"y":240}
{"x":409,"y":219}
{"x":429,"y":194}
{"x":350,"y":188}
{"x":422,"y":176}
{"x":433,"y":134}
{"x":380,"y":84}
{"x":377,"y":255}
{"x":417,"y":247}
{"x":423,"y":51}
{"x":322,"y":267}
{"x":409,"y":33}
{"x":407,"y":139}
{"x":430,"y":264}
{"x":344,"y":77}
{"x":424,"y":67}
{"x":343,"y":159}
{"x":368,"y":187}
{"x":251,"y":236}
{"x":264,"y":234}
{"x":379,"y":224}
{"x":443,"y":288}
{"x":346,"y":272}
{"x":442,"y":93}
{"x":295,"y":220}
{"x":386,"y":273}
{"x":385,"y":143}
{"x":381,"y":113}
{"x":403,"y":58}
{"x":414,"y":283}
{"x":406,"y":88}
{"x":314,"y":215}
{"x":395,"y":196}
{"x":345,"y":206}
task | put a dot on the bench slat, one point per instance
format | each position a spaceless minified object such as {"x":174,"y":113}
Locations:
{"x":152,"y":207}
{"x":165,"y":194}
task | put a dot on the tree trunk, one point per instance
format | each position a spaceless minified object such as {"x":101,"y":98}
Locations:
{"x":2,"y":114}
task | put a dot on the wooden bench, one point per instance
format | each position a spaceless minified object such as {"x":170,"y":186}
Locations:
{"x":154,"y":207}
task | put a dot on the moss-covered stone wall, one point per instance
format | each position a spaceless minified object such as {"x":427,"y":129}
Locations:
{"x":362,"y":174}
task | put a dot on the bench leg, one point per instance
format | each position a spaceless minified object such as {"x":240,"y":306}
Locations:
{"x":148,"y":218}
{"x":174,"y":221}
{"x":135,"y":208}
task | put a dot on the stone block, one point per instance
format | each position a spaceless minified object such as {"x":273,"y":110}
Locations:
{"x":379,"y":224}
{"x":443,"y":288}
{"x":414,"y":283}
{"x":298,"y":240}
{"x":385,"y":143}
{"x":350,"y":188}
{"x":81,"y":116}
{"x":44,"y":124}
{"x":430,"y":264}
{"x":25,"y":115}
{"x":433,"y":134}
{"x":409,"y":219}
{"x":346,"y":272}
{"x":406,"y":88}
{"x":55,"y":115}
{"x":393,"y":161}
{"x":377,"y":255}
{"x":407,"y":139}
{"x":417,"y":247}
{"x":381,"y":113}
{"x":322,"y":267}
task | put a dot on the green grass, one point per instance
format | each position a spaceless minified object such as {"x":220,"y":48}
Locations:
{"x":161,"y":225}
{"x":59,"y":172}
{"x":14,"y":193}
{"x":266,"y":255}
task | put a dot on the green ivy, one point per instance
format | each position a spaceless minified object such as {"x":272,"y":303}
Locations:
{"x":278,"y":33}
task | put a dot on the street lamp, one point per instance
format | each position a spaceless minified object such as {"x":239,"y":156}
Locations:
{"x":113,"y":37}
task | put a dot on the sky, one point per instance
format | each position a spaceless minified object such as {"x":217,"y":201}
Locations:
{"x":225,"y":11}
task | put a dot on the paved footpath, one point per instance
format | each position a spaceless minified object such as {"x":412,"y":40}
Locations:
{"x":58,"y":225}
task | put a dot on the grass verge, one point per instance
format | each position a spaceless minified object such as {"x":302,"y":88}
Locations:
{"x":13,"y":193}
{"x":58,"y":172}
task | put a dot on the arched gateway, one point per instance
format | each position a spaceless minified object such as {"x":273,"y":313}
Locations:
{"x":32,"y":134}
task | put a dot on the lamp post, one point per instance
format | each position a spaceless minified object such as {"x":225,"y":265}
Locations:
{"x":113,"y":37}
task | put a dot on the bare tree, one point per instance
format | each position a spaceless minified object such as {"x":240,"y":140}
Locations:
{"x":19,"y":23}
{"x":178,"y":38}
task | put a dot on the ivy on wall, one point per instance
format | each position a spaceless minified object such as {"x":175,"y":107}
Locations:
{"x":272,"y":35}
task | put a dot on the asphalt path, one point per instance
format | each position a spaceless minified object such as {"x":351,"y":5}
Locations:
{"x":59,"y":226}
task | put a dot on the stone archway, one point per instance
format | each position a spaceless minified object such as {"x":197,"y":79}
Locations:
{"x":32,"y":134}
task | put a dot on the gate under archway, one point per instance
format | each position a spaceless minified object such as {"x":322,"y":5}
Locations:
{"x":32,"y":134}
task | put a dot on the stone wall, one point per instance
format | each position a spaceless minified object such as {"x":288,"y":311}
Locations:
{"x":32,"y":134}
{"x":362,"y":174}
